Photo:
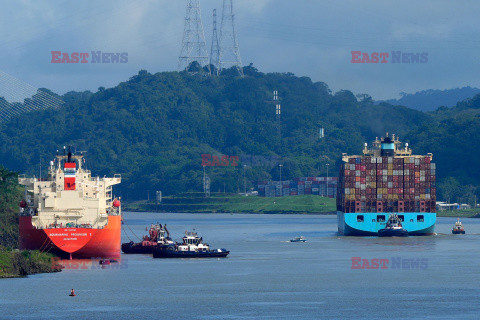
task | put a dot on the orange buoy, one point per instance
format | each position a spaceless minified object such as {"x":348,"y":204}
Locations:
{"x":72,"y":293}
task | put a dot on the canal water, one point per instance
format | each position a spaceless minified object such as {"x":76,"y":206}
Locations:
{"x":265,"y":276}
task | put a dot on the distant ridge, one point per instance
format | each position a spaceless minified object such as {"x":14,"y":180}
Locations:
{"x":430,"y":100}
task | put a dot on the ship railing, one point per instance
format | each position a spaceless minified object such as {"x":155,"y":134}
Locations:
{"x":43,"y":225}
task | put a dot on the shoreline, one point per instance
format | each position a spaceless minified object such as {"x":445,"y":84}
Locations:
{"x":161,"y":209}
{"x":22,"y":263}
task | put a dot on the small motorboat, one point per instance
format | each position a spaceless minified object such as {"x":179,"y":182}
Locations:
{"x":104,"y":262}
{"x":458,"y":228}
{"x":298,"y":239}
{"x":393,"y":228}
{"x":192,"y":247}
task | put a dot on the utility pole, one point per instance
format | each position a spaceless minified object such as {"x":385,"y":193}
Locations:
{"x":327,"y":180}
{"x":229,"y":50}
{"x":194,"y":46}
{"x":206,"y":184}
{"x":215,"y":48}
{"x":244,"y":180}
{"x":281,"y":184}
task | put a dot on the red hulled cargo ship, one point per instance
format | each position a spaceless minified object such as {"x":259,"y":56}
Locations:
{"x":70,"y":213}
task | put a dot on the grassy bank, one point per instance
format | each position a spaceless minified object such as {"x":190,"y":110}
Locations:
{"x":217,"y":203}
{"x":459,"y":213}
{"x":14,"y":263}
{"x":196,"y":203}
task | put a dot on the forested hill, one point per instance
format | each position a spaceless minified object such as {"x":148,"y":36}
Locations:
{"x":154,"y":128}
{"x":430,"y":100}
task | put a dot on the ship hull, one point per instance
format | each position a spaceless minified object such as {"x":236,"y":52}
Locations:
{"x":350,"y":225}
{"x":169,"y":251}
{"x":137,"y":248}
{"x":80,"y":243}
{"x":179,"y":254}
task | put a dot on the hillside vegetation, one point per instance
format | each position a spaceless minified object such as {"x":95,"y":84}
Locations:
{"x":430,"y":100}
{"x":14,"y":263}
{"x":10,"y":195}
{"x":154,"y":128}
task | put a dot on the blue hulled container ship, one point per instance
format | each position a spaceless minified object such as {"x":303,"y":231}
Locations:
{"x":386,"y":179}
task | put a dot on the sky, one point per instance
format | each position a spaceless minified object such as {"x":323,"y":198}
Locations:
{"x":305,"y":37}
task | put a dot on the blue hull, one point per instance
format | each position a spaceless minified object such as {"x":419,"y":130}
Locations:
{"x":349,"y":224}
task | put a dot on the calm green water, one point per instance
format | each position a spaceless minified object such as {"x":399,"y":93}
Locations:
{"x":265,"y":277}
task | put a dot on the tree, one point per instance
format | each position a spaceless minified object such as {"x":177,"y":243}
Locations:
{"x":449,"y":189}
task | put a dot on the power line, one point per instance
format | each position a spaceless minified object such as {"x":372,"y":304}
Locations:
{"x":33,"y":98}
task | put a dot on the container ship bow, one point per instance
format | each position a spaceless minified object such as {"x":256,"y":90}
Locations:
{"x":70,"y":213}
{"x":387,"y":179}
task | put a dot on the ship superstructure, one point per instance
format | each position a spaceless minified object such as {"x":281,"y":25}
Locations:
{"x":386,"y":179}
{"x":71,"y":211}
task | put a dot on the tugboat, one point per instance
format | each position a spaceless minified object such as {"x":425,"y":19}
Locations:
{"x":458,"y":228}
{"x":393,"y":228}
{"x":156,"y":235}
{"x":192,"y":247}
{"x":298,"y":239}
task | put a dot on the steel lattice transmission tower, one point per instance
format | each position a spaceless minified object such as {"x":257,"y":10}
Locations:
{"x":215,"y":48}
{"x":229,"y":51}
{"x":194,"y":46}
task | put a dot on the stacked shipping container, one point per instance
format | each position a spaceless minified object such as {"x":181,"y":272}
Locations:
{"x":387,"y":184}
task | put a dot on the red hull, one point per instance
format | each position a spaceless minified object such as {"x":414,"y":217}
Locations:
{"x":80,"y":242}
